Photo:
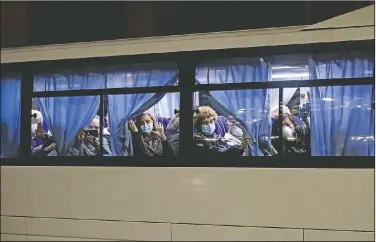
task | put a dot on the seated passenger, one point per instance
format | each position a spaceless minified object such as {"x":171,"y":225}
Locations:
{"x":207,"y":143}
{"x":294,"y":135}
{"x":87,"y":141}
{"x":172,"y":133}
{"x":46,"y":140}
{"x":151,"y":141}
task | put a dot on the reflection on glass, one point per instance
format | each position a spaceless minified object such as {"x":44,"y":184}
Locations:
{"x":235,"y":122}
{"x":146,"y":124}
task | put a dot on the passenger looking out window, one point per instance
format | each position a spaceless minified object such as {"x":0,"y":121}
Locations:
{"x":148,"y":138}
{"x":209,"y":144}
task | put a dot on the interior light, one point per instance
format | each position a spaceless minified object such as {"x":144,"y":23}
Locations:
{"x":290,"y":75}
{"x":129,"y":74}
{"x":282,"y":67}
{"x":326,"y":99}
{"x":359,"y":106}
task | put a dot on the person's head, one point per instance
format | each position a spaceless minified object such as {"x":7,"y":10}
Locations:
{"x":173,"y":125}
{"x":205,"y":120}
{"x":288,"y":120}
{"x":285,"y":110}
{"x":95,"y":123}
{"x":146,"y":123}
{"x":36,"y":117}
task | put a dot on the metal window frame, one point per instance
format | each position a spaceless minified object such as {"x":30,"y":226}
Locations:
{"x":187,"y":62}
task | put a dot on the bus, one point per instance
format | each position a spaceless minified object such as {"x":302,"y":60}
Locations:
{"x":263,"y":134}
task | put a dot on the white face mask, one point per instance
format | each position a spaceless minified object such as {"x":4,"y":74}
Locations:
{"x":287,"y":132}
{"x":147,"y":128}
{"x":236,"y":131}
{"x":208,"y":129}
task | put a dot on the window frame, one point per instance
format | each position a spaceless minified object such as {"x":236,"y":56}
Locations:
{"x":187,"y":62}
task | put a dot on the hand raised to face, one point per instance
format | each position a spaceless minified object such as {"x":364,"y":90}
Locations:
{"x":132,"y":126}
{"x":159,"y":132}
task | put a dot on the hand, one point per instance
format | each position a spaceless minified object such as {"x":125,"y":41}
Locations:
{"x":38,"y":148}
{"x":132,"y":126}
{"x":160,"y":132}
{"x":92,"y":139}
{"x":245,"y":141}
{"x":229,"y":124}
{"x":51,"y":147}
{"x":81,"y":135}
{"x":291,"y":139}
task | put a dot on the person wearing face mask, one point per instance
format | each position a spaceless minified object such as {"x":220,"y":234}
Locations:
{"x":207,"y":143}
{"x":294,"y":135}
{"x":148,"y":137}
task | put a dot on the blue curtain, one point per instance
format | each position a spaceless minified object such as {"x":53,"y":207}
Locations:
{"x":123,"y":107}
{"x":342,"y":119}
{"x":10,"y":116}
{"x":249,"y":106}
{"x":66,"y":82}
{"x":65,"y":116}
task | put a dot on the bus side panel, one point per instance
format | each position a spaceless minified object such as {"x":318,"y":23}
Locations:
{"x":168,"y":201}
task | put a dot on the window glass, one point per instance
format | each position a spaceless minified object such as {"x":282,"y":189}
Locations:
{"x":145,"y":124}
{"x":10,"y":116}
{"x":328,"y":121}
{"x":67,"y":126}
{"x":235,"y":123}
{"x":342,"y":121}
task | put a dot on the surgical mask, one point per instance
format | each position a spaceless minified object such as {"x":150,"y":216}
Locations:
{"x":236,"y":131}
{"x":208,"y":129}
{"x":147,"y":128}
{"x":287,"y":132}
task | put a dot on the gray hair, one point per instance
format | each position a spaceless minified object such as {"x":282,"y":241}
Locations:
{"x":173,"y":125}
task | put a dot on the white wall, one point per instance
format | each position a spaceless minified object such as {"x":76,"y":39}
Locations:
{"x":93,"y":203}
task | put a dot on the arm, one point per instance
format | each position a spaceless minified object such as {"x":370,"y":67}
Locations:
{"x":168,"y":151}
{"x":106,"y":147}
